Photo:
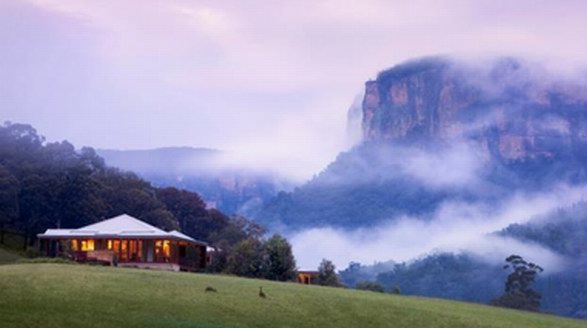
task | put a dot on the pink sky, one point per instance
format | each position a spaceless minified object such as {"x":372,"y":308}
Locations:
{"x":271,"y":80}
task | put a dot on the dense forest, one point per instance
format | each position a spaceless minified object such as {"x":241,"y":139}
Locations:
{"x":231,"y":189}
{"x":52,"y":185}
{"x":469,"y":278}
{"x":371,"y":183}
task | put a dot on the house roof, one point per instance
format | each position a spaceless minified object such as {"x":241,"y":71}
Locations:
{"x":122,"y":226}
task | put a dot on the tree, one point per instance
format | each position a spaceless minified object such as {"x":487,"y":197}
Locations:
{"x":53,"y":185}
{"x":370,"y":286}
{"x":247,"y":259}
{"x":9,"y":210}
{"x":327,"y":274}
{"x":518,"y":292}
{"x":281,"y":262}
{"x":219,"y":257}
{"x":190,"y":210}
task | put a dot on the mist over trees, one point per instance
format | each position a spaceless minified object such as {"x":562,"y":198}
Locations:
{"x":201,"y":170}
{"x":438,"y":130}
{"x":468,"y":278}
{"x":53,"y":185}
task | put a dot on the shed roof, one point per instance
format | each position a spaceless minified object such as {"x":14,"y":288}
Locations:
{"x":122,"y":226}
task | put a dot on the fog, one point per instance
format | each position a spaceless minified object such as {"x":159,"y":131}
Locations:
{"x":455,"y":227}
{"x":270,"y":82}
{"x":455,"y":162}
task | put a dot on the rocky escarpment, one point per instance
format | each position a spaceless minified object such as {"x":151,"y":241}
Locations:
{"x":513,"y":111}
{"x":439,"y":130}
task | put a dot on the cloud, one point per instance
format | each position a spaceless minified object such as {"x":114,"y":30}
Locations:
{"x":455,"y":227}
{"x":457,"y":165}
{"x":265,"y":76}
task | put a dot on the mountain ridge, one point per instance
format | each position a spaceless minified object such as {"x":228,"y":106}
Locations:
{"x":437,"y":129}
{"x":203,"y":170}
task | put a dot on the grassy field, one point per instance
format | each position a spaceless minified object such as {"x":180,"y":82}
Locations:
{"x":61,"y":295}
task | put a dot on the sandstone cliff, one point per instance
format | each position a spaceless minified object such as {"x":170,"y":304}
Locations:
{"x":439,"y":130}
{"x":511,"y":110}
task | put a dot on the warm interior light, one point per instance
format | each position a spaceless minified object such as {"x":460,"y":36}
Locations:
{"x":157,"y":246}
{"x":166,"y":248}
{"x":88,"y":245}
{"x":74,"y":246}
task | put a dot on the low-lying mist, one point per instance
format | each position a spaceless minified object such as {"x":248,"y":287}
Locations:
{"x":455,"y":227}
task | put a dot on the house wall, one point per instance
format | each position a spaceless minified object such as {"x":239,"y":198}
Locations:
{"x":192,"y":258}
{"x":307,"y":278}
{"x":148,"y":248}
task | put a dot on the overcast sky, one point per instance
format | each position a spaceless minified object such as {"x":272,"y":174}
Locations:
{"x":269,"y":79}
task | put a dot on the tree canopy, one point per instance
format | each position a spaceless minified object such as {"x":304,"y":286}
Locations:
{"x":519,"y":293}
{"x":53,"y":185}
{"x":327,"y":274}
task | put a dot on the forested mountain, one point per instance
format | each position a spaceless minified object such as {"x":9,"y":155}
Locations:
{"x":467,"y":277}
{"x":53,"y":185}
{"x":226,"y":187}
{"x":439,"y":129}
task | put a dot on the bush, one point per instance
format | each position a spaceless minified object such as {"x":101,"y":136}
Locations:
{"x":396,"y":290}
{"x":32,"y":252}
{"x":370,"y":286}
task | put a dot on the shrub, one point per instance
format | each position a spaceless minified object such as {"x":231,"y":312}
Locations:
{"x":370,"y":286}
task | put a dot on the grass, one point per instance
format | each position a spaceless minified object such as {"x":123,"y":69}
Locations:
{"x":57,"y":295}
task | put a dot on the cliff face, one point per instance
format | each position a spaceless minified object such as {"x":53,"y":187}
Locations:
{"x":437,"y":131}
{"x":509,"y":110}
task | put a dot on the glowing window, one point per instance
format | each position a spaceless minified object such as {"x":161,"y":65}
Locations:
{"x":166,"y":249}
{"x":87,"y":245}
{"x":162,"y":250}
{"x":74,"y":246}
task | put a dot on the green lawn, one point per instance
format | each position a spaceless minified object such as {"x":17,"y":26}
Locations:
{"x":61,"y":295}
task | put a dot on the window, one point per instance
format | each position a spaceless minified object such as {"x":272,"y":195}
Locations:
{"x":166,"y":249}
{"x":74,"y":245}
{"x":123,"y":254}
{"x":162,"y":251}
{"x":116,"y":245}
{"x":135,"y":250}
{"x":87,"y":245}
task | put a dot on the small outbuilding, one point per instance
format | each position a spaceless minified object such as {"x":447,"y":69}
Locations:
{"x":126,"y":241}
{"x":307,"y":277}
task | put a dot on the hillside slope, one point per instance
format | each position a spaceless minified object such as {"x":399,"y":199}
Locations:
{"x":51,"y":295}
{"x":467,"y":277}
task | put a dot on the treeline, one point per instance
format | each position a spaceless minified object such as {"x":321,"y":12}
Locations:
{"x":52,"y":185}
{"x":468,"y":278}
